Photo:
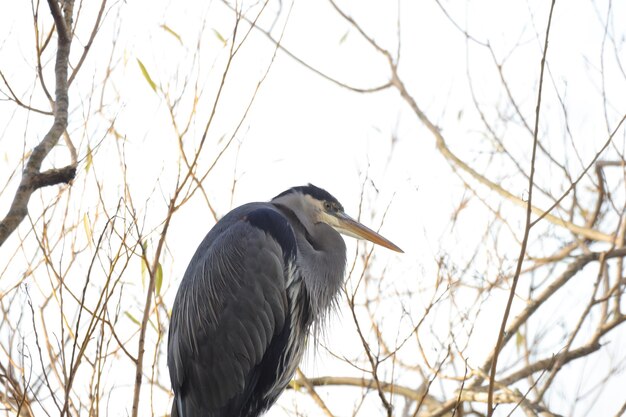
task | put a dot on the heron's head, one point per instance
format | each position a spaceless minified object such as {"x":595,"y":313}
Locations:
{"x":315,"y":205}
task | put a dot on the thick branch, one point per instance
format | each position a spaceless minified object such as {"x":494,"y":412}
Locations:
{"x":311,"y":389}
{"x":32,"y":178}
{"x":54,"y":176}
{"x":572,"y":269}
{"x":509,"y":397}
{"x":418,"y":394}
{"x":458,"y":163}
{"x":548,"y":363}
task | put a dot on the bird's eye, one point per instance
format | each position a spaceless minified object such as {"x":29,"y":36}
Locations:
{"x":327,"y":206}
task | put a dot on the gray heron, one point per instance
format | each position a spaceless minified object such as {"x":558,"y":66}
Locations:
{"x":260,"y":278}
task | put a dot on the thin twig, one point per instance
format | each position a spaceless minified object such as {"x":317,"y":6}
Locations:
{"x":520,"y":259}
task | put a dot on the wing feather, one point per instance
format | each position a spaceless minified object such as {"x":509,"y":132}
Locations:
{"x":230,"y":305}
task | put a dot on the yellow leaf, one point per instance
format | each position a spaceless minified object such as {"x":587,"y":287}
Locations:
{"x":344,"y":37}
{"x":132,"y":318}
{"x":171,"y":32}
{"x":519,"y":340}
{"x":144,"y":270}
{"x":158,"y":279}
{"x":144,"y":263}
{"x":220,"y":37}
{"x":87,"y":228}
{"x":144,"y":71}
{"x":88,"y":158}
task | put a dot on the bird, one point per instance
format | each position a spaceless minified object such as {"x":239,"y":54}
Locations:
{"x":261,"y":278}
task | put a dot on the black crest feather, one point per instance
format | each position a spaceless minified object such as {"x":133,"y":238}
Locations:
{"x":310,"y":189}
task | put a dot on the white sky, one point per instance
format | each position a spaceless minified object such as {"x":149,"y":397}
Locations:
{"x":304,"y":129}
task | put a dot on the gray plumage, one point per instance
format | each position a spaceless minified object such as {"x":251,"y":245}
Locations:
{"x":258,"y":281}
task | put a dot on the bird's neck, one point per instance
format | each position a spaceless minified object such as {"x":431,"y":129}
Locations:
{"x":322,"y":262}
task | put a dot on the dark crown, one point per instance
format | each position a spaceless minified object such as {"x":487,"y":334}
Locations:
{"x":315,"y":192}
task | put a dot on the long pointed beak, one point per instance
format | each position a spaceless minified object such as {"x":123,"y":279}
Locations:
{"x":346,"y":225}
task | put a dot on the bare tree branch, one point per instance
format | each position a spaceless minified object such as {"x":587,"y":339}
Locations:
{"x":32,"y":178}
{"x":520,"y":259}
